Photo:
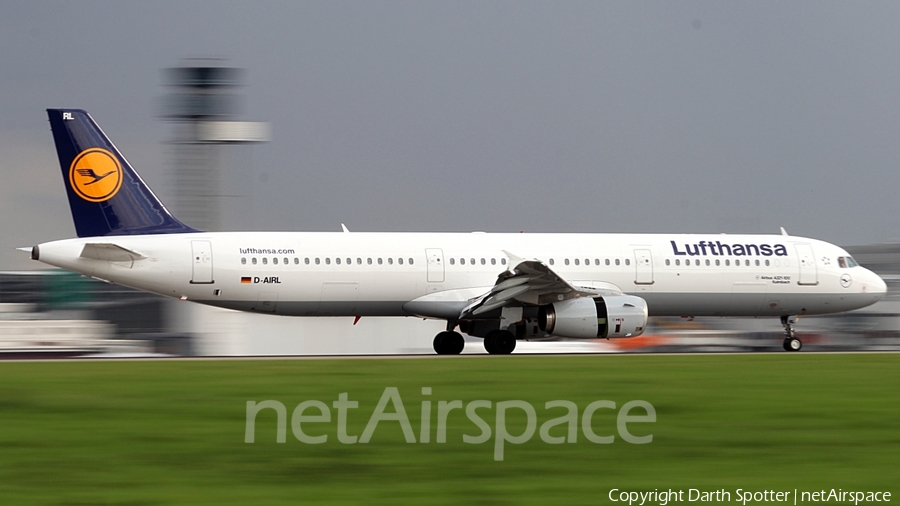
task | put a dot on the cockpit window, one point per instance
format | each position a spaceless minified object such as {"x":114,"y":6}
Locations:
{"x":847,"y":262}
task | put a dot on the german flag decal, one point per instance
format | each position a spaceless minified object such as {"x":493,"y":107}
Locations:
{"x":246,"y":279}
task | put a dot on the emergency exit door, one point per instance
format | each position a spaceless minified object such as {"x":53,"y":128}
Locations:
{"x":643,"y":267}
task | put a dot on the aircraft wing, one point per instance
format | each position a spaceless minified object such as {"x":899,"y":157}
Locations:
{"x":529,"y":282}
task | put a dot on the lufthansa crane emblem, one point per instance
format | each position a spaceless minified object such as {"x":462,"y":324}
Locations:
{"x":95,"y":175}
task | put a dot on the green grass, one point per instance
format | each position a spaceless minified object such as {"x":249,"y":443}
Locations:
{"x":172,"y":432}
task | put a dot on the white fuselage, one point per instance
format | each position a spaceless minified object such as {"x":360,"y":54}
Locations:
{"x":436,"y":274}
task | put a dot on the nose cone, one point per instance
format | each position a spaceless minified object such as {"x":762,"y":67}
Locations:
{"x":874,"y":285}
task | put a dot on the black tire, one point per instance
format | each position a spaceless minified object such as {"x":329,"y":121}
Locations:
{"x":490,"y":342}
{"x":786,"y":344}
{"x":449,"y":343}
{"x":500,"y":342}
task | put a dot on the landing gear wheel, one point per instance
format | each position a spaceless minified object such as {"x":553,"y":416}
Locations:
{"x":449,"y":343}
{"x":791,"y":343}
{"x":500,"y":342}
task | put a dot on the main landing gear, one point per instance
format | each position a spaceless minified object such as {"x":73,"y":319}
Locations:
{"x":791,"y":343}
{"x":496,"y":342}
{"x":499,"y":342}
{"x":449,"y":342}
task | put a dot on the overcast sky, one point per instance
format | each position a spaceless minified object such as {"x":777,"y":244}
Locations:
{"x":498,"y":116}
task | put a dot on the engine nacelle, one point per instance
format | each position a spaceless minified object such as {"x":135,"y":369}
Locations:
{"x":613,"y":316}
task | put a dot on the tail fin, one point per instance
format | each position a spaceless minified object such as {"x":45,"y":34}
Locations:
{"x":106,"y":195}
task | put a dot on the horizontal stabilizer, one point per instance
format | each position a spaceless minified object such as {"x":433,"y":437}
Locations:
{"x":110,"y":252}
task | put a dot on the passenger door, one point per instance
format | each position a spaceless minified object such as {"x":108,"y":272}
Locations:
{"x":202,"y":271}
{"x":808,"y":272}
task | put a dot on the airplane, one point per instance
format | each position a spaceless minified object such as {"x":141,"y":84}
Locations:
{"x":502,"y":287}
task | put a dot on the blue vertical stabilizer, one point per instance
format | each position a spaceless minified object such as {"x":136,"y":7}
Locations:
{"x":106,"y":195}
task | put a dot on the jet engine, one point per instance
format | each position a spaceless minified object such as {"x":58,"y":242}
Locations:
{"x":592,"y":318}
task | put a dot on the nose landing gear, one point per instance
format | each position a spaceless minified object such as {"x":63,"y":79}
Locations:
{"x":791,"y":343}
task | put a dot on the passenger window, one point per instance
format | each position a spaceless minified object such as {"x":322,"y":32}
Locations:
{"x":452,"y":261}
{"x":317,"y":261}
{"x":707,"y":262}
{"x":617,"y":261}
{"x":274,"y":261}
{"x":297,"y":261}
{"x":668,"y":262}
{"x":607,"y":261}
{"x":253,"y":260}
{"x":747,"y":263}
{"x":596,"y":261}
{"x":717,"y":262}
{"x":410,"y":261}
{"x":566,"y":261}
{"x":727,"y":262}
{"x":462,"y":261}
{"x":400,"y":260}
{"x":577,"y":261}
{"x":587,"y":261}
{"x":757,"y":262}
{"x":380,"y":262}
{"x":493,"y":261}
{"x":552,"y":261}
{"x":677,"y":262}
{"x":483,"y":262}
{"x":472,"y":261}
{"x":503,"y":261}
{"x":369,"y":260}
{"x":627,"y":261}
{"x":390,"y":261}
{"x":767,"y":263}
{"x":358,"y":261}
{"x":337,"y":260}
{"x":244,"y":261}
{"x":265,"y":260}
{"x":349,"y":261}
{"x":327,"y":260}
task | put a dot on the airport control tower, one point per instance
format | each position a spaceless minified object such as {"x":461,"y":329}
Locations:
{"x":203,"y":104}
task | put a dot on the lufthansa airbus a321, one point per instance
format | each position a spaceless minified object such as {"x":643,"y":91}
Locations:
{"x":500,"y":287}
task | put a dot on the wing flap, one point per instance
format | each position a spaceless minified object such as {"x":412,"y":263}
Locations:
{"x":530,"y":282}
